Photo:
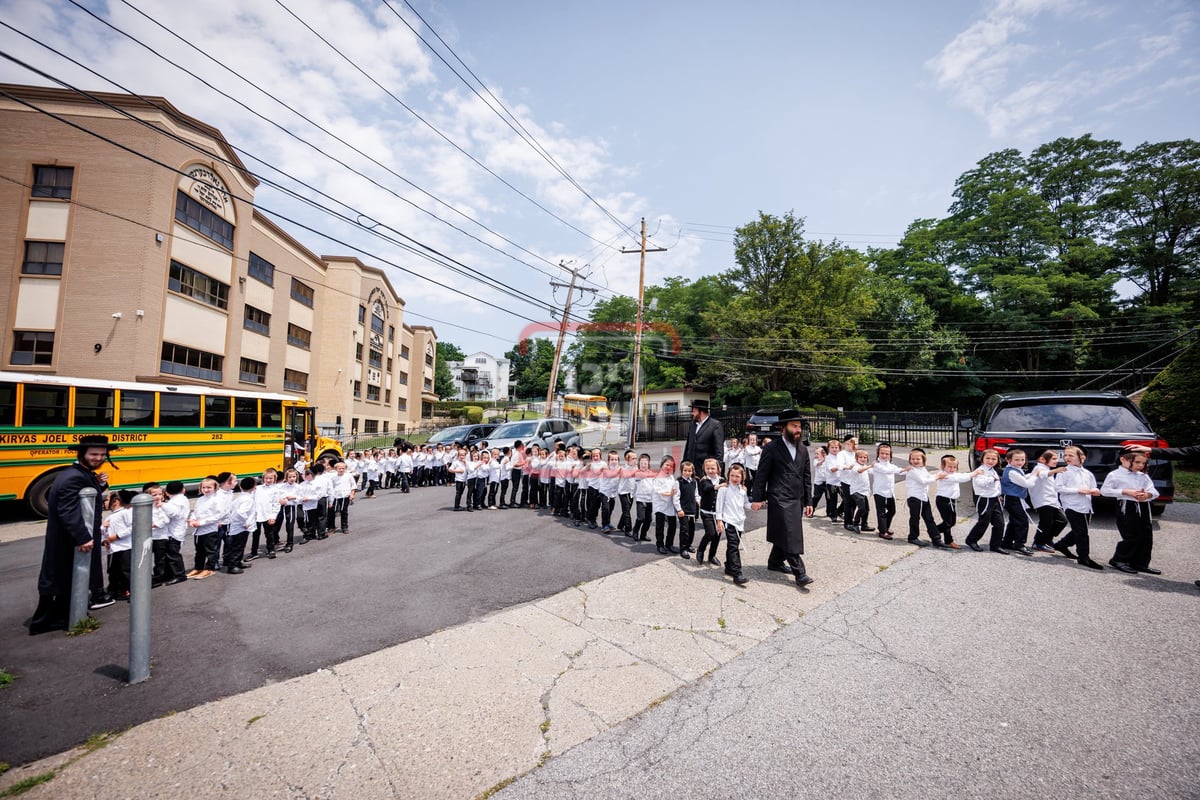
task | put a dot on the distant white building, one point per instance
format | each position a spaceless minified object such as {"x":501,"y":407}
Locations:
{"x":480,"y":376}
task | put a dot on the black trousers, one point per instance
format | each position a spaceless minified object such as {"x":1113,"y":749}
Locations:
{"x":1051,"y":522}
{"x":625,"y":523}
{"x":661,"y":520}
{"x":1136,"y":526}
{"x":119,"y":572}
{"x":459,"y":488}
{"x":1016,"y":533}
{"x":268,"y":530}
{"x":641,"y":528}
{"x":492,"y":488}
{"x":844,"y":494}
{"x":1078,"y":535}
{"x":339,"y":511}
{"x":606,"y":510}
{"x":856,"y":513}
{"x":289,"y":522}
{"x":818,"y":494}
{"x":988,"y":512}
{"x":710,"y":539}
{"x":593,"y":504}
{"x":778,"y":557}
{"x":687,"y":532}
{"x":833,"y":500}
{"x":168,"y":559}
{"x":918,"y":512}
{"x":733,"y":550}
{"x":518,"y":487}
{"x":235,"y":548}
{"x":948,"y":510}
{"x":885,"y":512}
{"x":206,"y":551}
{"x":504,"y":493}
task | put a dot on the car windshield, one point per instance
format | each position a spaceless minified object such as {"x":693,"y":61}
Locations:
{"x":516,"y":430}
{"x":1063,"y":416}
{"x":448,"y":435}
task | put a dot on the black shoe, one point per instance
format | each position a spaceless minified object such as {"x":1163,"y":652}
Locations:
{"x":684,"y":554}
{"x":235,"y":570}
{"x":804,"y":579}
{"x":592,"y":525}
{"x":1000,"y":550}
{"x":1024,"y":550}
{"x":673,"y":551}
{"x":852,"y":528}
{"x":1087,"y":562}
{"x":470,"y":509}
{"x":155,"y":584}
{"x":1198,"y":584}
{"x":1066,"y":551}
{"x":740,"y":580}
{"x":270,"y":554}
{"x":173,"y":581}
{"x":1122,"y":566}
{"x":102,"y":601}
{"x":975,"y":546}
{"x":644,"y":538}
{"x":287,"y":548}
{"x":245,"y":565}
{"x":713,"y":560}
{"x":918,"y":543}
{"x":662,"y":551}
{"x":304,"y":539}
{"x":1149,"y":570}
{"x":866,"y":529}
{"x":252,"y":556}
{"x":786,"y":569}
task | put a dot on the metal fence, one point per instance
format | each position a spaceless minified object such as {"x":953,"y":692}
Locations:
{"x":906,"y":429}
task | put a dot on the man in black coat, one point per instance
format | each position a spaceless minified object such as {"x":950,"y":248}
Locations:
{"x":784,"y":482}
{"x":66,"y":531}
{"x":705,"y":439}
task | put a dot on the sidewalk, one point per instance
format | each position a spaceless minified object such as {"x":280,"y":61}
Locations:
{"x":467,"y":709}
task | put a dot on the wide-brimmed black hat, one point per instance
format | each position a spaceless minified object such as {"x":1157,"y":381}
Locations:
{"x":95,"y":440}
{"x":787,"y":415}
{"x":700,"y":404}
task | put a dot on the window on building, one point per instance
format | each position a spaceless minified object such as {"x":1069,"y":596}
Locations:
{"x":302,"y":292}
{"x":373,"y":393}
{"x":197,"y":285}
{"x":391,"y":333}
{"x":358,"y":388}
{"x":257,"y":320}
{"x":375,"y":359}
{"x":43,"y":258}
{"x":377,"y":322}
{"x":402,"y":404}
{"x":362,"y":314}
{"x":174,"y":410}
{"x":252,"y":371}
{"x":300,"y":337}
{"x":370,"y":426}
{"x":295,"y":381}
{"x":32,"y":348}
{"x":404,"y":351}
{"x":426,"y":410}
{"x":203,"y":220}
{"x":45,"y":405}
{"x":94,"y":407}
{"x":480,"y":360}
{"x":261,"y":269}
{"x":358,"y":352}
{"x":137,"y":409}
{"x":429,"y":359}
{"x":389,"y":364}
{"x":191,"y":363}
{"x":385,"y":426}
{"x":403,"y":379}
{"x":387,"y":396}
{"x":428,"y":385}
{"x":53,"y":182}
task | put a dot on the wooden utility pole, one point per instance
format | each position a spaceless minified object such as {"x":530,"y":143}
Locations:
{"x":635,"y":404}
{"x":562,"y":332}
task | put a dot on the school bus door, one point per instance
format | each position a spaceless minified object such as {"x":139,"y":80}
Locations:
{"x":298,"y":423}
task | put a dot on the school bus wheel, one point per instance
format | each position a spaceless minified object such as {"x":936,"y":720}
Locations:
{"x":331,"y":455}
{"x":37,"y":497}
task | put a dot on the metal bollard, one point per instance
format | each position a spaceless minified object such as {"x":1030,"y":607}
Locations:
{"x":81,"y":576}
{"x":142,"y":558}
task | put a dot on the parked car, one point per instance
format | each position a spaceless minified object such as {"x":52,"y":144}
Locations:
{"x":765,"y":422}
{"x":462,"y":435}
{"x":1102,"y":423}
{"x":544,"y":432}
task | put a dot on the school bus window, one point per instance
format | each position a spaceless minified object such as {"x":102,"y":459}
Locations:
{"x":44,"y":405}
{"x":8,"y":404}
{"x":178,"y":410}
{"x":216,"y":412}
{"x":94,"y":407}
{"x":245,"y":412}
{"x":272,"y":414}
{"x":137,"y":408}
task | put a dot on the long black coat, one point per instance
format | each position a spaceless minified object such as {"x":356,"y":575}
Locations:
{"x":786,"y":484}
{"x":708,"y":443}
{"x":65,"y":529}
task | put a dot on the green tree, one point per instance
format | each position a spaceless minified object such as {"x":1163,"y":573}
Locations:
{"x":443,"y":378}
{"x":1170,"y":400}
{"x":531,"y":363}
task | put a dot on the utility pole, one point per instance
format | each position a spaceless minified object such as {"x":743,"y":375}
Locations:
{"x":562,"y":332}
{"x":635,"y":405}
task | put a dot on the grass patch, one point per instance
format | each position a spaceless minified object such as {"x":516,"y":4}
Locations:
{"x":4,"y":767}
{"x":545,"y":726}
{"x":84,"y":626}
{"x":6,"y":677}
{"x":254,"y":719}
{"x":721,"y":622}
{"x":101,"y":739}
{"x":881,"y":567}
{"x":1187,"y":485}
{"x":496,"y":788}
{"x":23,"y":786}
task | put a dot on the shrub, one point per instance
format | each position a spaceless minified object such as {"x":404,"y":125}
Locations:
{"x":1170,"y":400}
{"x":474,"y":414}
{"x":776,"y":400}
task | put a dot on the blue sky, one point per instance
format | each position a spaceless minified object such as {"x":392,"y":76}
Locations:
{"x":695,"y":115}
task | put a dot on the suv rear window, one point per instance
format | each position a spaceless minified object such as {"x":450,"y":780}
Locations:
{"x":1079,"y":416}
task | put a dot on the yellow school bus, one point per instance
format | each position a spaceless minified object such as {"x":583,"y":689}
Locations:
{"x":165,"y":432}
{"x":585,"y":406}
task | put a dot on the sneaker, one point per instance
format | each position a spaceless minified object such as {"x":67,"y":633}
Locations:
{"x":103,"y":601}
{"x":252,"y":556}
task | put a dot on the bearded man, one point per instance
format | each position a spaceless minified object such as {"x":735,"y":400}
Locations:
{"x":784,"y":483}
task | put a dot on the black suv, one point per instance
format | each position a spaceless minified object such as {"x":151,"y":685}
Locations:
{"x":1102,"y":423}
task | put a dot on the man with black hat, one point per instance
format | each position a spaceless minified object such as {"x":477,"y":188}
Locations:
{"x":784,"y":482}
{"x":705,"y":439}
{"x":67,"y":531}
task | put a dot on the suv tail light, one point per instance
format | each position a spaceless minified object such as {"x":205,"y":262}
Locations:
{"x":1000,"y":445}
{"x":1145,"y":443}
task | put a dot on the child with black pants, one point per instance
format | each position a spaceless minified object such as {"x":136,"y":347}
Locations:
{"x":644,"y":497}
{"x":985,"y":482}
{"x":708,"y":487}
{"x":1133,"y":489}
{"x":1015,"y":485}
{"x":666,"y":506}
{"x":1076,"y":488}
{"x":690,"y":506}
